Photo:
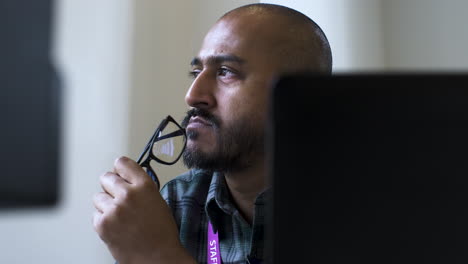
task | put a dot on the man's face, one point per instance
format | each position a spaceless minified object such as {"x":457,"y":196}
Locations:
{"x":232,"y":75}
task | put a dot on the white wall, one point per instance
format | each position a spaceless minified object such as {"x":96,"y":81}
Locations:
{"x":159,"y":76}
{"x":426,"y":35}
{"x":397,"y":35}
{"x":353,"y":28}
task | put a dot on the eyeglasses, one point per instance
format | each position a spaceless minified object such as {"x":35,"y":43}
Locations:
{"x":165,"y":146}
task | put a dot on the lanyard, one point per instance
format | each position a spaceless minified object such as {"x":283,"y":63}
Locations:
{"x":213,"y":254}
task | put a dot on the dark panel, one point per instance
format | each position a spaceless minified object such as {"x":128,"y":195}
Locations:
{"x":370,"y":169}
{"x":29,"y":109}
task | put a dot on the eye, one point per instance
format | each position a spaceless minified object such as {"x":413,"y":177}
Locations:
{"x":194,"y":73}
{"x":225,"y":72}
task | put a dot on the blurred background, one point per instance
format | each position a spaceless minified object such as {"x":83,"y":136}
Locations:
{"x":124,"y":66}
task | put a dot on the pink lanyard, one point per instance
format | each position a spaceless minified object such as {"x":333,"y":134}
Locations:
{"x":213,"y":254}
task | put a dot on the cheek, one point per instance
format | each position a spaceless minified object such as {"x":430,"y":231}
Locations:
{"x":256,"y":105}
{"x":248,"y":102}
{"x":247,"y":111}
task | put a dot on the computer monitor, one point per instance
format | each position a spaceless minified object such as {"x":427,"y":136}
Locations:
{"x":29,"y":108}
{"x":369,"y":168}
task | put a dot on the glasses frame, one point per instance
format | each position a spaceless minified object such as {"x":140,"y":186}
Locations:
{"x":155,"y":138}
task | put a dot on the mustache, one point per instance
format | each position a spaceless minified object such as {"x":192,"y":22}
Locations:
{"x":209,"y":117}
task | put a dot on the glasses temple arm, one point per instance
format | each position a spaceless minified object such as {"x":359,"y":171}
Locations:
{"x":148,"y":145}
{"x":179,"y":132}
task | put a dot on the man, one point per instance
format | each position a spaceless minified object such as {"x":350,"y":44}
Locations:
{"x":226,"y":190}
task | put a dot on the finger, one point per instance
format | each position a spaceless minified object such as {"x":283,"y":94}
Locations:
{"x":113,"y":184}
{"x":102,"y":201}
{"x":130,"y":170}
{"x":97,"y":219}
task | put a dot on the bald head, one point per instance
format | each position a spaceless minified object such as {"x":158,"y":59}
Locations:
{"x":240,"y":59}
{"x":295,"y":40}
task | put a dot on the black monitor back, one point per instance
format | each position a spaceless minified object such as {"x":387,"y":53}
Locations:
{"x":370,"y":169}
{"x":29,"y":108}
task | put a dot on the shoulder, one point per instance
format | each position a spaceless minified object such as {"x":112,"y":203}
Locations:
{"x":191,"y":185}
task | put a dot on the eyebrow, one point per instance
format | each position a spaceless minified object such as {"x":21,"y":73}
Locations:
{"x":217,"y":59}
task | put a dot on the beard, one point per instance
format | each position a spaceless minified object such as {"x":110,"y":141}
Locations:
{"x":238,"y":144}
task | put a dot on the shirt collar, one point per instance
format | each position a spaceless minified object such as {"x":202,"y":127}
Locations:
{"x":218,"y":199}
{"x":263,"y":197}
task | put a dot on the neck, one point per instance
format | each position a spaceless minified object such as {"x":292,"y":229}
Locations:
{"x":245,"y":186}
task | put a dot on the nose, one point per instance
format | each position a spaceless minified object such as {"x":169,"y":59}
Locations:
{"x":201,"y":92}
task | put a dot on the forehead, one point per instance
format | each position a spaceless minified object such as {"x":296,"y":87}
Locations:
{"x":246,"y":37}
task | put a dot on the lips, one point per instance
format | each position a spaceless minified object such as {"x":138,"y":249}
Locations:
{"x":198,"y":122}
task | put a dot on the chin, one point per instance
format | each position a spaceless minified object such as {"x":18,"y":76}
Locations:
{"x":200,"y":146}
{"x":195,"y":158}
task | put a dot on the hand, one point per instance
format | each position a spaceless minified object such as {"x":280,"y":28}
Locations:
{"x":134,"y":220}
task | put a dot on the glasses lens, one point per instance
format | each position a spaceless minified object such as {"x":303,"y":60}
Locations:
{"x":170,"y":143}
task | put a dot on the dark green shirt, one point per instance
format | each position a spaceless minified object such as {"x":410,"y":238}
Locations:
{"x":197,"y":196}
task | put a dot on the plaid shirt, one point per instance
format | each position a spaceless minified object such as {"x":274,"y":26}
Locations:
{"x":198,"y":196}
